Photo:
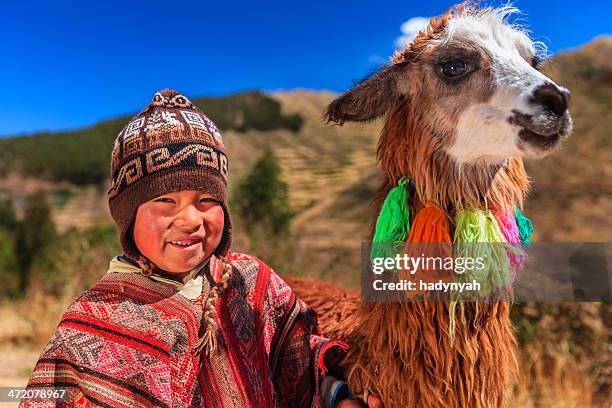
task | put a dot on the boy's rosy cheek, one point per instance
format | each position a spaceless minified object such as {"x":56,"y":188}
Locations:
{"x":218,"y":220}
{"x":148,"y":231}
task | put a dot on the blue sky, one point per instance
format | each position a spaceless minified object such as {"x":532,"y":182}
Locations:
{"x":68,"y":64}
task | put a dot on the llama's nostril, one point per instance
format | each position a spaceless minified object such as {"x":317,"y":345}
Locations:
{"x":552,"y":98}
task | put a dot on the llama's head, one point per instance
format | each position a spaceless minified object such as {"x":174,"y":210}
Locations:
{"x":469,"y":83}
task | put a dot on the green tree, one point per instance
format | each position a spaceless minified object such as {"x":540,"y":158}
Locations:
{"x":34,"y":234}
{"x":8,"y":265}
{"x":8,"y":220}
{"x":260,"y":198}
{"x":8,"y":261}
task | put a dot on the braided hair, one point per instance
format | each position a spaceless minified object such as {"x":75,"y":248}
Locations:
{"x":208,"y":341}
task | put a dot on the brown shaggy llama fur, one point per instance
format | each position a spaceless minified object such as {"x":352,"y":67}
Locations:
{"x":402,"y":351}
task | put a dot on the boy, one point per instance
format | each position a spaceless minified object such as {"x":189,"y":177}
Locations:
{"x":179,"y":320}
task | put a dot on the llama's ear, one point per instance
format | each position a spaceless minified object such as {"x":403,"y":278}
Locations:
{"x":366,"y":101}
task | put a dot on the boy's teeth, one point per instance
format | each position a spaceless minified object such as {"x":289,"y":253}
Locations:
{"x":184,"y":243}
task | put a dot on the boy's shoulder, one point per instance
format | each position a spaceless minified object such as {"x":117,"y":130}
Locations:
{"x":128,"y":311}
{"x":256,"y":273}
{"x":240,"y":257}
{"x":128,"y":300}
{"x":247,"y":265}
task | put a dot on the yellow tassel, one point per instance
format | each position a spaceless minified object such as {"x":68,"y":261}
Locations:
{"x":452,"y":311}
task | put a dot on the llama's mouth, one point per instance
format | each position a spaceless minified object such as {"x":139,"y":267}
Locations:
{"x":541,"y":134}
{"x":539,"y":141}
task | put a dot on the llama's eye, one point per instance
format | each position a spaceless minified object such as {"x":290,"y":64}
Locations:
{"x":454,"y":68}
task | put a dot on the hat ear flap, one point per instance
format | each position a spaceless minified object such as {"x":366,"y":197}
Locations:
{"x":370,"y":99}
{"x":128,"y":244}
{"x":226,"y":238}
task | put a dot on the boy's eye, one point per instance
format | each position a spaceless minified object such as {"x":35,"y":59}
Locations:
{"x":208,"y":202}
{"x":164,"y":200}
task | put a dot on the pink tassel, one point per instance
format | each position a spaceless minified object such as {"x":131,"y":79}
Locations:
{"x":509,"y":229}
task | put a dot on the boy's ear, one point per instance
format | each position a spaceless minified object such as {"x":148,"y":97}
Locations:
{"x":371,"y":98}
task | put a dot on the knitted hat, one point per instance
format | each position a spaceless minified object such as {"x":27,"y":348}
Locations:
{"x":169,"y":146}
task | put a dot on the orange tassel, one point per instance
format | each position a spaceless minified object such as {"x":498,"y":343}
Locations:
{"x":429,"y":237}
{"x":430,"y":225}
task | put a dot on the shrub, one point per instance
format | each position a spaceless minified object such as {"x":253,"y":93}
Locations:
{"x":9,"y":272}
{"x":8,"y":220}
{"x":34,"y":234}
{"x":260,"y":198}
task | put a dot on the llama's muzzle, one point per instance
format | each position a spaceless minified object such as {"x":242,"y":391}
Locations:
{"x":550,"y":120}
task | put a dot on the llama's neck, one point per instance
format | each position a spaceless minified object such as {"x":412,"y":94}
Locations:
{"x":406,"y":149}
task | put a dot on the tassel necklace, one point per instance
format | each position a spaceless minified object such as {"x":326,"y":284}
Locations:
{"x":506,"y":232}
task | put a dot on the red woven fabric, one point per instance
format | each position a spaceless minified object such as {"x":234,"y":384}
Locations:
{"x":128,"y":342}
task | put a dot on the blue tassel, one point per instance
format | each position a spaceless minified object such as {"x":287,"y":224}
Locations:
{"x":525,"y":227}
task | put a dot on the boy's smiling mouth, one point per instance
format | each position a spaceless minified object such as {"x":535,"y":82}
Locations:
{"x":186,"y":243}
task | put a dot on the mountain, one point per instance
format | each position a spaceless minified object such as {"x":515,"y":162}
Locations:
{"x":81,"y":156}
{"x":331,"y":170}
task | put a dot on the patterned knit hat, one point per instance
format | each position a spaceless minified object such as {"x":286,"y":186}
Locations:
{"x":169,"y":146}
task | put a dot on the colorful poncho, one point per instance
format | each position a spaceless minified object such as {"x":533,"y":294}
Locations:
{"x":128,"y":341}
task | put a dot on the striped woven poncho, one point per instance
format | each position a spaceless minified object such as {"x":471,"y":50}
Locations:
{"x":128,"y":341}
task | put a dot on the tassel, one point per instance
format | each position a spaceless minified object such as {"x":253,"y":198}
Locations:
{"x":480,"y":233}
{"x":207,"y":343}
{"x":430,"y":225}
{"x":429,"y":238}
{"x":393,"y":222}
{"x":508,"y":227}
{"x":452,"y":317}
{"x":452,"y":311}
{"x":525,"y":227}
{"x":515,"y":252}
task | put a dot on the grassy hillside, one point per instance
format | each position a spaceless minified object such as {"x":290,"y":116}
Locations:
{"x":82,"y":156}
{"x":572,"y":189}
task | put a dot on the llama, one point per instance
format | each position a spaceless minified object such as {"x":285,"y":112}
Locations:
{"x":463,"y":104}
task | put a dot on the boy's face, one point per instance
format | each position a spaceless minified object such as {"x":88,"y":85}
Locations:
{"x":177,"y":231}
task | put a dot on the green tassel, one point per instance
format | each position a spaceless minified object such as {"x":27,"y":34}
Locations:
{"x":393,"y":223}
{"x":525,"y":227}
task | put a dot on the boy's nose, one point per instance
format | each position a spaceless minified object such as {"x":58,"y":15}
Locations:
{"x":189,"y":218}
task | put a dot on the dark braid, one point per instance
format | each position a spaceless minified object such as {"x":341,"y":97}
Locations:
{"x":208,"y":341}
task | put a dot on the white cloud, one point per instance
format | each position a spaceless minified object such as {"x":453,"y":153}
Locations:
{"x":410,"y":29}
